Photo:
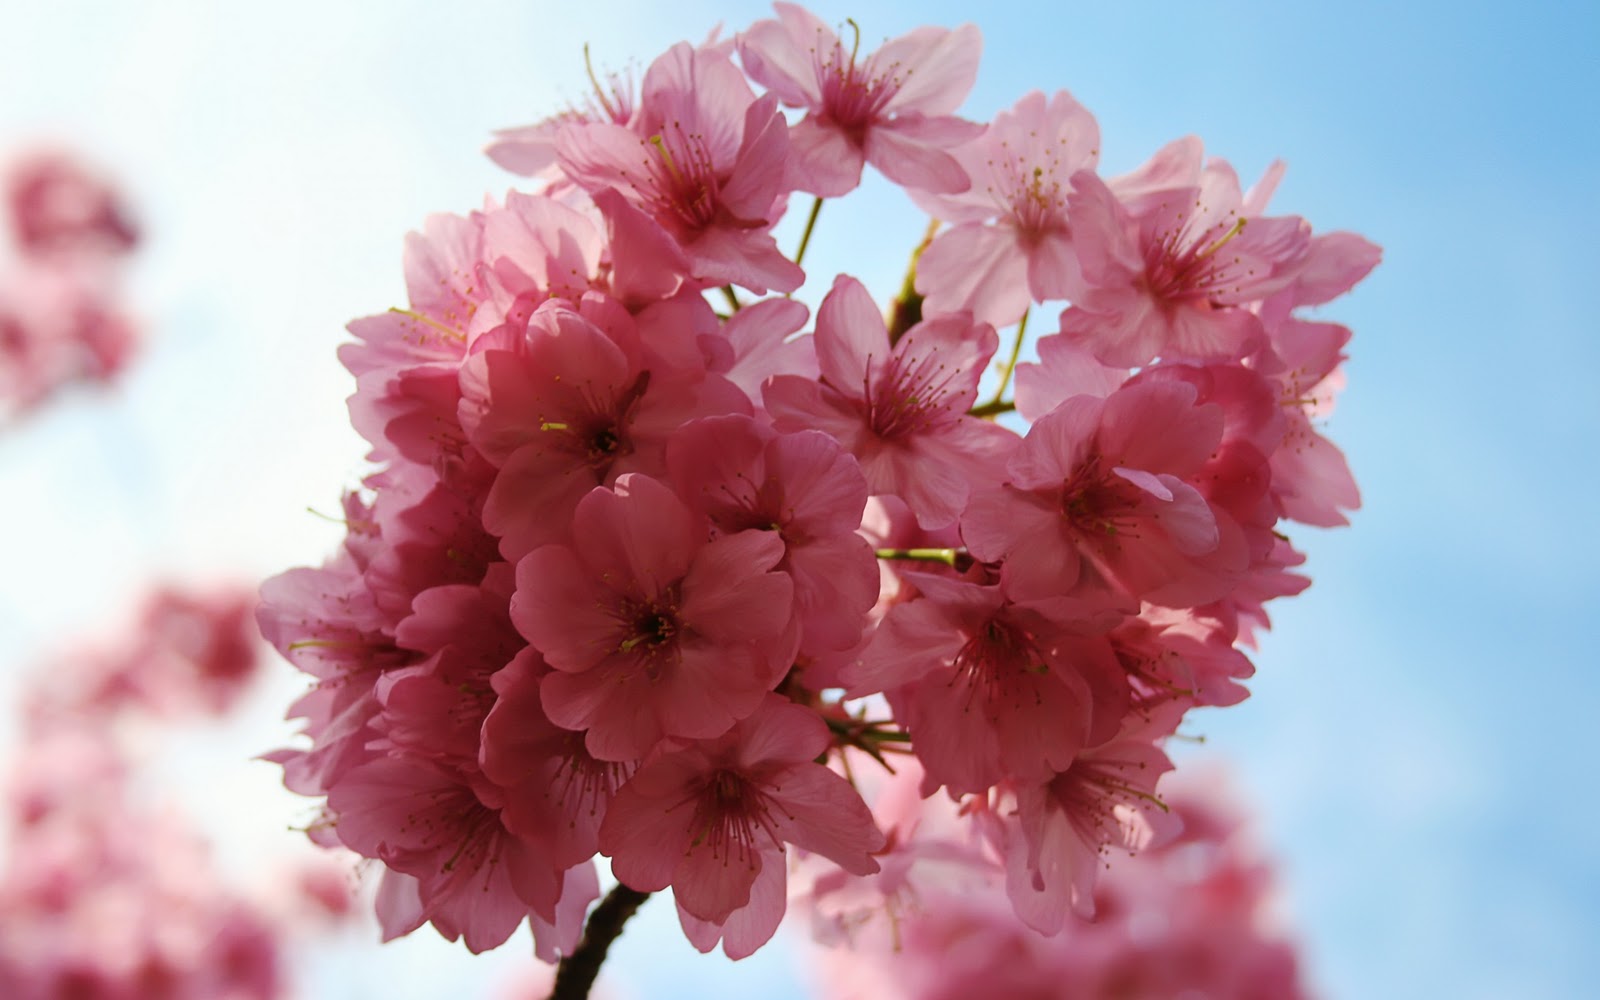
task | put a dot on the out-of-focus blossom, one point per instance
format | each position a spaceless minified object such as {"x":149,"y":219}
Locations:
{"x":64,"y":237}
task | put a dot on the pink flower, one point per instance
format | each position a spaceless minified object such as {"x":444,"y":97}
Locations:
{"x":712,"y":820}
{"x":1067,"y":823}
{"x":560,"y":408}
{"x":1096,"y":503}
{"x":1012,"y":241}
{"x":57,"y":206}
{"x":530,"y":150}
{"x":892,"y":109}
{"x":704,"y":158}
{"x":1173,"y":280}
{"x":436,"y":708}
{"x":475,"y":880}
{"x":653,"y":631}
{"x":901,"y":409}
{"x":1310,"y":477}
{"x":1065,"y":368}
{"x":805,"y":488}
{"x":556,"y":791}
{"x":989,"y":688}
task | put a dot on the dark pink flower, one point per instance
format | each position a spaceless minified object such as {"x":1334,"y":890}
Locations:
{"x":711,"y":820}
{"x":556,"y":791}
{"x":475,"y":880}
{"x":807,"y":490}
{"x":1067,"y":823}
{"x":1096,"y":504}
{"x":987,"y":687}
{"x":560,"y":408}
{"x":654,"y":631}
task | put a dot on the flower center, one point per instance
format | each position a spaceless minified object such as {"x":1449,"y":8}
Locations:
{"x":1184,"y":264}
{"x":1095,"y":505}
{"x":684,"y":184}
{"x":909,"y":397}
{"x":732,"y":817}
{"x":994,"y":665}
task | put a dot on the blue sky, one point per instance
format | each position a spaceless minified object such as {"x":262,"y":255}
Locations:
{"x":1418,"y":739}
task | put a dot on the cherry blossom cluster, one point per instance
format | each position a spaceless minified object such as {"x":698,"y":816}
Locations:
{"x":106,"y":894}
{"x":648,"y":548}
{"x":1191,"y":918}
{"x":64,"y":239}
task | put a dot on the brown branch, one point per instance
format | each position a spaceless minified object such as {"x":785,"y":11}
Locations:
{"x":576,"y":973}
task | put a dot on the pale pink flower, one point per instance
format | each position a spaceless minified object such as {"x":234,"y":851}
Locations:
{"x":1180,"y":655}
{"x":891,"y":109}
{"x":1190,"y":917}
{"x":932,"y":850}
{"x":1173,"y":280}
{"x":444,"y":293}
{"x":530,"y":150}
{"x":1064,"y":369}
{"x":901,"y":409}
{"x":761,"y":345}
{"x":324,"y":622}
{"x":712,"y":821}
{"x":653,"y":631}
{"x":704,"y":157}
{"x":1012,"y":242}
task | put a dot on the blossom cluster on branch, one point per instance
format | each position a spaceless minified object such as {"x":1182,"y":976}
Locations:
{"x":641,"y":561}
{"x":64,"y":239}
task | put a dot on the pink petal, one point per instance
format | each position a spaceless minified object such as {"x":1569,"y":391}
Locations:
{"x":824,"y":161}
{"x":975,"y":268}
{"x":851,"y":338}
{"x":906,"y":154}
{"x":940,"y":67}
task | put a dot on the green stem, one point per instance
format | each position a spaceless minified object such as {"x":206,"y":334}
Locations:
{"x":992,"y":409}
{"x":576,"y":973}
{"x":733,"y":299}
{"x":1016,"y":352}
{"x":805,"y":237}
{"x":946,"y":556}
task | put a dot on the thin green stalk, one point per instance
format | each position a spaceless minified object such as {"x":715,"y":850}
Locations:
{"x":946,"y":556}
{"x":1016,"y":352}
{"x":993,"y":409}
{"x":805,"y":237}
{"x":732,"y":297}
